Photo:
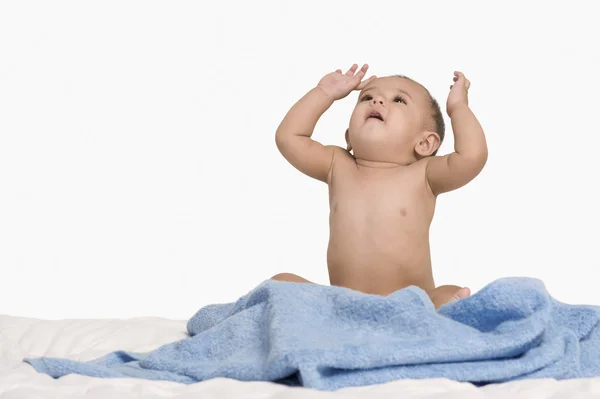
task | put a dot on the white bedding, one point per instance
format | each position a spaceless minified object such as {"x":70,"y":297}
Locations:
{"x":88,"y":339}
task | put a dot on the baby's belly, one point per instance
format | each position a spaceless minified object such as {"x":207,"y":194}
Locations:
{"x":380,"y":259}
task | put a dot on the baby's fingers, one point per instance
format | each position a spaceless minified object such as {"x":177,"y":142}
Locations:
{"x":361,"y":73}
{"x":365,"y":82}
{"x":460,"y":79}
{"x":352,"y":70}
{"x":364,"y":69}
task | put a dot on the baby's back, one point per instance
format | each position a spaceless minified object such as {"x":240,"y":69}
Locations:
{"x":379,"y":227}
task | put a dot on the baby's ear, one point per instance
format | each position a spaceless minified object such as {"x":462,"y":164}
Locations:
{"x":429,"y":143}
{"x":348,"y":146}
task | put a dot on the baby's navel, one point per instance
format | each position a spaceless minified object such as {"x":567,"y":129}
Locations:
{"x":403,"y":211}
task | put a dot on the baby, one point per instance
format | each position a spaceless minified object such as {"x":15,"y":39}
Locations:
{"x":383,"y":187}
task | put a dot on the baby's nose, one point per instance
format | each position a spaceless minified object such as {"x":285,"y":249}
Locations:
{"x":378,"y":100}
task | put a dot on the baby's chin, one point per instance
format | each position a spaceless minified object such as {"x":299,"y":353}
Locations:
{"x":371,"y":137}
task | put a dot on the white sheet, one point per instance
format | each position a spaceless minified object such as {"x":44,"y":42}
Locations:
{"x":88,"y":339}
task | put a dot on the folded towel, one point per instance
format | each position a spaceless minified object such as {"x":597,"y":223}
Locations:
{"x":327,"y":337}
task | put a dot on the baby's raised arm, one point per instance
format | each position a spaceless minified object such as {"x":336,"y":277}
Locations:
{"x":293,"y":137}
{"x":449,"y":172}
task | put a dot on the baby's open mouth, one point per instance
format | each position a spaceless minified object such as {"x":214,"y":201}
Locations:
{"x":375,"y":115}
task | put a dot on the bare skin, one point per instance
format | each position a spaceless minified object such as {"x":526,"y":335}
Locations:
{"x":382,"y":196}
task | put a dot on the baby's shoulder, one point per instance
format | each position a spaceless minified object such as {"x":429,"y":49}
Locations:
{"x":341,"y":157}
{"x":342,"y":161}
{"x":420,"y":166}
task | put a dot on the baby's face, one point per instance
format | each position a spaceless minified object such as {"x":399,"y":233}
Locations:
{"x":387,"y":118}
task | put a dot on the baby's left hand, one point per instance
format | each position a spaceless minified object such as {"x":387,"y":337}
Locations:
{"x":458,"y":93}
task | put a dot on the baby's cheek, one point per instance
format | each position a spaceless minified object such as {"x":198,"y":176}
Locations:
{"x":354,"y":120}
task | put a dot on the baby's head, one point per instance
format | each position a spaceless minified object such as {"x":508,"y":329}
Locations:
{"x":396,"y":120}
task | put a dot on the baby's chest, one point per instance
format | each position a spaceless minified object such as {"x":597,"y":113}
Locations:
{"x":378,"y":198}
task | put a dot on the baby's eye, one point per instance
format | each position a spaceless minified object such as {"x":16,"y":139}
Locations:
{"x":366,"y":97}
{"x":402,"y":100}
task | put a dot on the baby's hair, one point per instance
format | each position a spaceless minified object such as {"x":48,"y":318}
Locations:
{"x":436,"y":122}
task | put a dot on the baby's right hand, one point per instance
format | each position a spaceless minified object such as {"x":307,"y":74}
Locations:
{"x":338,"y":85}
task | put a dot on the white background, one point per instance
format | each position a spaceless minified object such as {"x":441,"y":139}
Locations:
{"x":139,"y":174}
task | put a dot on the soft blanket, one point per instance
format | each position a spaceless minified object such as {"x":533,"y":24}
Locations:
{"x":327,"y":338}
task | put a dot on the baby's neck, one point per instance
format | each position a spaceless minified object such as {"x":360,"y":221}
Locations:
{"x":380,"y":164}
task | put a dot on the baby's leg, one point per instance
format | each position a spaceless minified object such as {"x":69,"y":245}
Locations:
{"x":447,"y":293}
{"x":290,"y":277}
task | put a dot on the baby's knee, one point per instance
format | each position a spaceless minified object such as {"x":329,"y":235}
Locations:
{"x":291,"y":277}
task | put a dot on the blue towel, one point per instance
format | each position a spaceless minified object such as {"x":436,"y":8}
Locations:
{"x":327,"y":338}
